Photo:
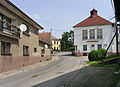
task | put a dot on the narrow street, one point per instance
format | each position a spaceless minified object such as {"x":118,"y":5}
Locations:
{"x":55,"y":74}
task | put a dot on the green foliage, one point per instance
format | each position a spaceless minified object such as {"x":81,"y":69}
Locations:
{"x":99,"y":54}
{"x":112,"y":55}
{"x":93,"y":55}
{"x":102,"y":53}
{"x":105,"y":60}
{"x":96,"y":54}
{"x":67,"y":43}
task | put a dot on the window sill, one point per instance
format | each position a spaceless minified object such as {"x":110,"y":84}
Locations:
{"x":3,"y":54}
{"x":25,"y":54}
{"x":99,"y":38}
{"x":26,"y":34}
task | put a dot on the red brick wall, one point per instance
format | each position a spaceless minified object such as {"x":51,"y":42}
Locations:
{"x":8,"y":62}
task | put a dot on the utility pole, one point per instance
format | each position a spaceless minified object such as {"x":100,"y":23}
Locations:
{"x":51,"y":36}
{"x":117,"y":51}
{"x":51,"y":39}
{"x":51,"y":31}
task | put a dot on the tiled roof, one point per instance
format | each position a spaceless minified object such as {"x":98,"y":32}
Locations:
{"x":93,"y":20}
{"x":45,"y":37}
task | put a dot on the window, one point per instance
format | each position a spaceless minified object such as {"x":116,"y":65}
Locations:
{"x":57,"y":48}
{"x":99,"y":33}
{"x":75,"y":47}
{"x":54,"y":42}
{"x":0,"y":17}
{"x":99,"y":46}
{"x":92,"y":34}
{"x":84,"y":47}
{"x":54,"y":48}
{"x":35,"y":49}
{"x":57,"y":42}
{"x":85,"y":34}
{"x":5,"y":25}
{"x":92,"y":45}
{"x":5,"y":22}
{"x":42,"y":52}
{"x":1,"y":22}
{"x":5,"y":48}
{"x":25,"y":51}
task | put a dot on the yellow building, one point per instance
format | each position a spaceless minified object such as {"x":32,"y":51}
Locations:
{"x":56,"y":44}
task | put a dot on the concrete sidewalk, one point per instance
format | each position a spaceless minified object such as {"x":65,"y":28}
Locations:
{"x":27,"y":68}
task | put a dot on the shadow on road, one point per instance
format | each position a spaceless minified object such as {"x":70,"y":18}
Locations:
{"x":88,"y":76}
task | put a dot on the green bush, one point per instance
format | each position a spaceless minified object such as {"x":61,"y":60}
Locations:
{"x":99,"y":54}
{"x":96,"y":54}
{"x":93,"y":55}
{"x":103,"y":51}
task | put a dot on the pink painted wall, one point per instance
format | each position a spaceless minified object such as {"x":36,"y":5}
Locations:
{"x":9,"y":63}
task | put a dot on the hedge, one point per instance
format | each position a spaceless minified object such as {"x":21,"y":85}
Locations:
{"x":96,"y":54}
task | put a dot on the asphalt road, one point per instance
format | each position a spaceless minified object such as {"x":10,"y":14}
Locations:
{"x":55,"y":74}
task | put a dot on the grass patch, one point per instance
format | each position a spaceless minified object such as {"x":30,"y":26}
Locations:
{"x":93,"y":62}
{"x":105,"y":60}
{"x":114,"y":78}
{"x":104,"y":65}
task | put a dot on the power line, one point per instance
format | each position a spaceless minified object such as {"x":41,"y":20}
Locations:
{"x":69,"y":29}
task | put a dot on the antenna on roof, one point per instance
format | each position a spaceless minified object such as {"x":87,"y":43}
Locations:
{"x":93,"y":4}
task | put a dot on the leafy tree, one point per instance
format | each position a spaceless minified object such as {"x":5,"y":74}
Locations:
{"x":67,"y":41}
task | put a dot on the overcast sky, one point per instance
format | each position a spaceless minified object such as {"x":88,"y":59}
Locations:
{"x":61,"y":15}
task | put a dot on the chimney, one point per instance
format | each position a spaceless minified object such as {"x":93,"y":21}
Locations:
{"x":93,"y":13}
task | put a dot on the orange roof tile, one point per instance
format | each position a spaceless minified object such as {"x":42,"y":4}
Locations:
{"x":45,"y":37}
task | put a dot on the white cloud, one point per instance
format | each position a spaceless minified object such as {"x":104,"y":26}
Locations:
{"x":36,"y":16}
{"x":49,"y":17}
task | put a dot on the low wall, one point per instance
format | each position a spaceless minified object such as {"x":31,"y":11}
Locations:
{"x":86,"y":54}
{"x":81,"y":54}
{"x":9,"y":62}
